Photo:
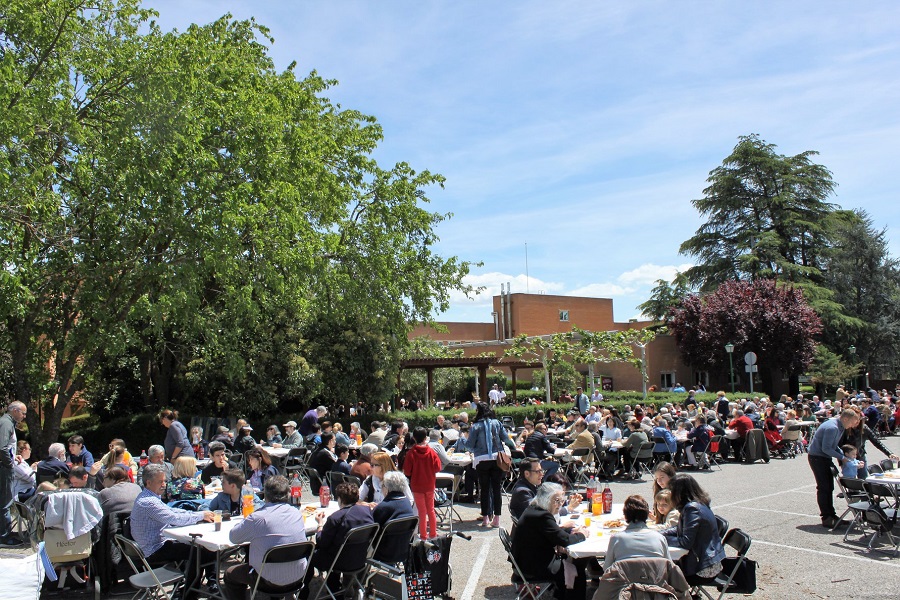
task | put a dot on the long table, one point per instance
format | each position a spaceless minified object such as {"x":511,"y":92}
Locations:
{"x":597,"y":544}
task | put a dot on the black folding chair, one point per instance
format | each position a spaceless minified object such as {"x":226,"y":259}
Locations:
{"x":391,"y":549}
{"x":724,"y":582}
{"x":884,"y":507}
{"x":858,"y":504}
{"x":532,"y":589}
{"x":446,"y":511}
{"x":576,"y":466}
{"x":285,"y":553}
{"x":887,"y":465}
{"x":353,"y":558}
{"x":722,"y":525}
{"x":149,"y":582}
{"x":873,"y":469}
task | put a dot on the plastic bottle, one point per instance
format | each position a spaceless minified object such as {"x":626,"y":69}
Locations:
{"x":597,"y":504}
{"x":246,"y":500}
{"x":324,"y":496}
{"x":607,"y":500}
{"x":296,"y":490}
{"x":589,"y":490}
{"x":144,"y":458}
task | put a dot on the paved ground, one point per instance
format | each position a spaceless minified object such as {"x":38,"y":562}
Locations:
{"x":775,"y":503}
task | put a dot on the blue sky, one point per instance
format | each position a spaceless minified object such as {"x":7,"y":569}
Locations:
{"x":586,"y":128}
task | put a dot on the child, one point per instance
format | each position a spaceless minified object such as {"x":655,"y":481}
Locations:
{"x":850,"y":468}
{"x":664,"y":510}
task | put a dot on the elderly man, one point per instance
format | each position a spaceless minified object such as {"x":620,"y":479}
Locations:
{"x":292,"y":437}
{"x":156,"y":455}
{"x":377,"y":434}
{"x":275,"y":524}
{"x":583,"y":439}
{"x":742,"y":424}
{"x":15,"y":413}
{"x":823,"y":450}
{"x":150,"y":515}
{"x":311,"y":417}
{"x":54,"y":465}
{"x":218,"y":464}
{"x":434,"y":442}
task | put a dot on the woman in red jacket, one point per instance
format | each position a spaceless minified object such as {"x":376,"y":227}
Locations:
{"x":421,"y":466}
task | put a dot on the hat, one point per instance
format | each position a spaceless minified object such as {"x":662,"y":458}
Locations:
{"x":291,"y":424}
{"x":247,"y":427}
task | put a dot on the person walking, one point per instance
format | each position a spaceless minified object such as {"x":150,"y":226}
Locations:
{"x":421,"y":466}
{"x":485,"y":437}
{"x":15,"y":414}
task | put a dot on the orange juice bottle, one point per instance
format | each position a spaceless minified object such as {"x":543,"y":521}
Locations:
{"x":246,"y":500}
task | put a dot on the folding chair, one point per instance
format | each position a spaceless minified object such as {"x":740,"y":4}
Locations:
{"x":26,"y":523}
{"x":724,"y":581}
{"x":391,"y":549}
{"x":722,"y":525}
{"x":333,"y":478}
{"x":884,"y":507}
{"x":353,"y":556}
{"x":285,"y":553}
{"x":858,"y":504}
{"x":149,"y":583}
{"x":873,"y":468}
{"x":639,"y":465}
{"x":532,"y":589}
{"x":796,"y":446}
{"x":294,"y":461}
{"x":887,"y":465}
{"x":312,"y":476}
{"x":576,"y":466}
{"x":712,"y":451}
{"x":446,"y":512}
{"x":657,"y":456}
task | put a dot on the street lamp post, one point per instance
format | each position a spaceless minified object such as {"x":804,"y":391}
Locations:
{"x":852,"y":351}
{"x":729,"y":348}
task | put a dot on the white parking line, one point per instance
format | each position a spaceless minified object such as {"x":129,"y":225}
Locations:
{"x":780,"y":512}
{"x":718,"y":506}
{"x":475,"y":575}
{"x":846,"y":556}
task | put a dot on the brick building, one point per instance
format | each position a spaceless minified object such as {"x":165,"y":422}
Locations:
{"x":540,"y":314}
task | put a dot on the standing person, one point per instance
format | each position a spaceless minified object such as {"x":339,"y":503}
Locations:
{"x":581,"y":402}
{"x":494,"y":395}
{"x":274,"y":524}
{"x":311,"y":418}
{"x":177,"y":442}
{"x":485,"y":437}
{"x":421,"y":466}
{"x":823,"y":449}
{"x":857,"y":437}
{"x":15,"y":413}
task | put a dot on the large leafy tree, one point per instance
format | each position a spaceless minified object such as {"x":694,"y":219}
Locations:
{"x":763,"y":316}
{"x":767,"y":217}
{"x":171,"y":194}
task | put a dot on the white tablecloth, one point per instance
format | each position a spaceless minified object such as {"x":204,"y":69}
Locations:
{"x":598,"y":543}
{"x":276,"y":452}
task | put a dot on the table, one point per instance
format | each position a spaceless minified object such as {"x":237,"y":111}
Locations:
{"x":463,"y":459}
{"x":276,"y":452}
{"x":598,"y":543}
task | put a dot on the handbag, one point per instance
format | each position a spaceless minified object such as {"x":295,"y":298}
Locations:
{"x":744,"y":581}
{"x":504,"y":460}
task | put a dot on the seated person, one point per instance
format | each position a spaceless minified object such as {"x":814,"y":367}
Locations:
{"x":341,"y":465}
{"x":434,"y":442}
{"x":638,"y":540}
{"x":362,"y":466}
{"x":229,"y":499}
{"x":537,"y":536}
{"x":186,"y":483}
{"x":631,"y":447}
{"x":275,"y":523}
{"x":218,"y":463}
{"x":323,"y":458}
{"x":583,"y":439}
{"x":54,"y":465}
{"x":118,"y":493}
{"x":78,"y":454}
{"x":697,"y":531}
{"x":150,"y":515}
{"x":223,"y":436}
{"x":78,"y":480}
{"x":273,"y":436}
{"x":668,"y":445}
{"x":395,"y":505}
{"x":292,"y":437}
{"x":538,"y":446}
{"x":665,"y":515}
{"x":333,"y":530}
{"x":24,"y":480}
{"x":530,"y":476}
{"x":156,"y":455}
{"x":244,"y":442}
{"x":314,"y":437}
{"x":260,"y":467}
{"x":113,"y":458}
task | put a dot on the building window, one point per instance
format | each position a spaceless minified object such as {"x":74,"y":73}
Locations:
{"x":666,"y":381}
{"x":702,"y":378}
{"x":564,"y":316}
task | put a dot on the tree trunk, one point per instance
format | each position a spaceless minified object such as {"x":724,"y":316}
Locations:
{"x":793,"y":385}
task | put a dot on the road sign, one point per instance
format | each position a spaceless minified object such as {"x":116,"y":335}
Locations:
{"x":750,"y":358}
{"x":751,"y":369}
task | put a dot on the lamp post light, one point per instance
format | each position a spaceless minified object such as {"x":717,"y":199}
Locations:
{"x":852,"y":351}
{"x":729,"y":348}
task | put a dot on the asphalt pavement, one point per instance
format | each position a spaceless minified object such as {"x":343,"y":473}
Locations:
{"x":775,"y":503}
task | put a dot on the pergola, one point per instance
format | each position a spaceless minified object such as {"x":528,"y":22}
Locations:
{"x":480,"y":362}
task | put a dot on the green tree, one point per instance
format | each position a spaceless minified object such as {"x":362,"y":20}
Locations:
{"x":664,"y":297}
{"x":767,"y":217}
{"x":169,"y":193}
{"x":828,"y":370}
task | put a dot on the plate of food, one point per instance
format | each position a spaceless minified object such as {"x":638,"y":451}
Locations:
{"x":614,"y":524}
{"x":309,"y":511}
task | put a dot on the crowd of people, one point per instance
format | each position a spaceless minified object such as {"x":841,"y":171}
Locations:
{"x":397,"y":469}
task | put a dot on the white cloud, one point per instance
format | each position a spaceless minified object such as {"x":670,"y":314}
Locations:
{"x":600,"y":290}
{"x":491,"y":282}
{"x":648,"y":274}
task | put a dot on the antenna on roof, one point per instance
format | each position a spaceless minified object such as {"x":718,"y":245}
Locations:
{"x":526,"y":268}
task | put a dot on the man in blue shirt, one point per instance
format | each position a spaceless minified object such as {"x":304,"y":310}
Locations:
{"x":78,"y":454}
{"x":823,"y":449}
